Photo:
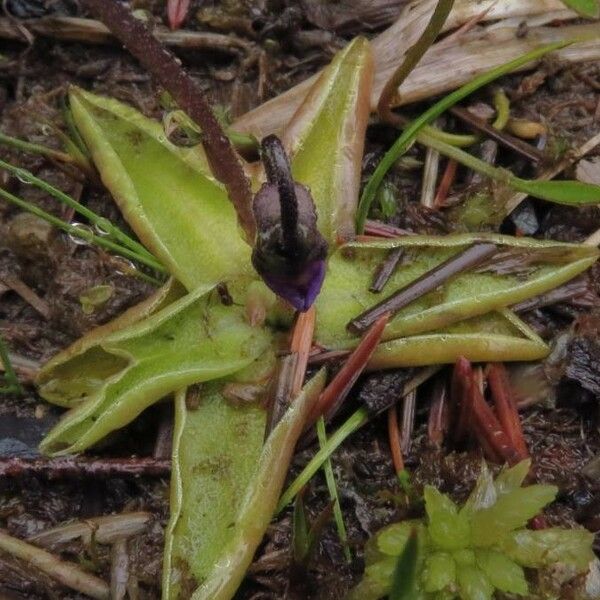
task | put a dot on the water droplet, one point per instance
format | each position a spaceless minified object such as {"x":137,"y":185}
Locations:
{"x":102,"y":227}
{"x":22,"y":177}
{"x":124,"y":266}
{"x":78,"y":240}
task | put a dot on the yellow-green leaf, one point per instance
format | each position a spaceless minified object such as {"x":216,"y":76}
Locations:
{"x":325,"y":138}
{"x":167,"y":195}
{"x":346,"y":294}
{"x":194,"y":339}
{"x":215,"y":456}
{"x":260,"y":499}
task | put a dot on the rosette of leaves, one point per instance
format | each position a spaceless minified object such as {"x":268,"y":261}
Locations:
{"x":484,"y":547}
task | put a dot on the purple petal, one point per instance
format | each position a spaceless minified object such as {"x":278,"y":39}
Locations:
{"x":300,"y":291}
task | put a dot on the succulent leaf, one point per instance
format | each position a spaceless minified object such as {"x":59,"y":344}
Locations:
{"x":472,"y":551}
{"x":448,"y":529}
{"x":511,"y":511}
{"x":502,"y":572}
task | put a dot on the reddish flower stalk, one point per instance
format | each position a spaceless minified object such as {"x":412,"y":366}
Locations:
{"x":488,"y":431}
{"x":395,"y":439}
{"x":445,"y":184}
{"x":301,"y":343}
{"x":459,"y":396}
{"x":438,"y":422}
{"x":177,"y":11}
{"x":291,"y":370}
{"x":506,"y":408}
{"x":167,"y":70}
{"x":335,"y":393}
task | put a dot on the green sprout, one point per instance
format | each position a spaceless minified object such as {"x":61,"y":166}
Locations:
{"x":470,"y":552}
{"x":9,"y":382}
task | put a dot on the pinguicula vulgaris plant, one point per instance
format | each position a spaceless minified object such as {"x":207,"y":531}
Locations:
{"x":245,"y":245}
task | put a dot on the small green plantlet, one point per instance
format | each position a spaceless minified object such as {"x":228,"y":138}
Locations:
{"x":470,"y":552}
{"x":386,"y":197}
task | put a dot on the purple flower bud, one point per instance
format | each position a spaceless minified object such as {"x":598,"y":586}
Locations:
{"x":300,"y":290}
{"x":289,"y":252}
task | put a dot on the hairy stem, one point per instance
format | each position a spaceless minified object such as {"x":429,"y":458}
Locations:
{"x":279,"y":173}
{"x":167,"y":70}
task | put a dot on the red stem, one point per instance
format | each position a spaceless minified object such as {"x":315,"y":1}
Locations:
{"x":335,"y":393}
{"x":395,"y":439}
{"x":437,"y":425}
{"x":459,"y":396}
{"x":488,"y":431}
{"x":506,"y":407}
{"x":167,"y":70}
{"x":445,"y":184}
{"x":301,"y":343}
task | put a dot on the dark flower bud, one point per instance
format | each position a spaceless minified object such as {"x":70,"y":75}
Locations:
{"x":289,"y":251}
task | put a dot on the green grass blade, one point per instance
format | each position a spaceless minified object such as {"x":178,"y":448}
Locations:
{"x":352,"y":424}
{"x":13,"y":142}
{"x":410,"y":133}
{"x":81,"y":233}
{"x":574,"y":193}
{"x":405,"y":573}
{"x":333,"y":493}
{"x":100,"y":222}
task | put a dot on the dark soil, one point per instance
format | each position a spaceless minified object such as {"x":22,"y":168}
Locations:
{"x":289,"y":41}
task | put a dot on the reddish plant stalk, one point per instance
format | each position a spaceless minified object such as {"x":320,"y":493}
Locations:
{"x":395,"y":439}
{"x":301,"y":344}
{"x":459,"y":397}
{"x":438,"y":422}
{"x":488,"y":431}
{"x":335,"y":393}
{"x":445,"y":184}
{"x":177,"y":11}
{"x":506,"y":407}
{"x":167,"y":70}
